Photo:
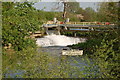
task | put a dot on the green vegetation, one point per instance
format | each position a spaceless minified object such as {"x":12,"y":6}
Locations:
{"x":21,"y":19}
{"x":105,"y":51}
{"x":104,"y":48}
{"x":22,"y":57}
{"x":17,"y":24}
{"x":28,"y":63}
{"x":72,"y":7}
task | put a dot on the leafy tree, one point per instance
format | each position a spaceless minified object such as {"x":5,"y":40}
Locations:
{"x":72,"y":7}
{"x":80,"y":11}
{"x":90,"y":14}
{"x":106,"y":51}
{"x":18,"y":21}
{"x":107,"y":57}
{"x":109,"y":11}
{"x":69,"y":7}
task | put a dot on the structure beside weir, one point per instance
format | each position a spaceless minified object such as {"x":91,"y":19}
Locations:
{"x":72,"y":52}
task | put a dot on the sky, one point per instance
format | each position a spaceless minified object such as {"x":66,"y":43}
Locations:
{"x":77,"y":0}
{"x":50,"y":6}
{"x":61,"y":0}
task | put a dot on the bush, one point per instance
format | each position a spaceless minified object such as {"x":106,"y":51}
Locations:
{"x":18,"y":21}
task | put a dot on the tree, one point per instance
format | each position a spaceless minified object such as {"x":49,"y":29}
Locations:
{"x":107,"y":57}
{"x":69,"y":7}
{"x":73,"y":7}
{"x":89,"y":14}
{"x":18,"y":21}
{"x":80,"y":11}
{"x":107,"y":54}
{"x":109,"y":11}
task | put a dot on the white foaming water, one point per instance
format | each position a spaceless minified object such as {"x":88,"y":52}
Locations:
{"x":58,"y":40}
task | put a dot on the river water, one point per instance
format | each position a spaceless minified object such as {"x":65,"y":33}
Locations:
{"x":58,"y":40}
{"x":53,"y":45}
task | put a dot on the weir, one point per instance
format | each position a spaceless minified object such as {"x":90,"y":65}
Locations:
{"x":58,"y":40}
{"x":61,"y":41}
{"x":54,"y":38}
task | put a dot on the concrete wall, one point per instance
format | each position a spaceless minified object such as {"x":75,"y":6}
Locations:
{"x":72,"y":52}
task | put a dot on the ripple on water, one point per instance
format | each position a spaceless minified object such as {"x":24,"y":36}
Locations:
{"x":58,"y":40}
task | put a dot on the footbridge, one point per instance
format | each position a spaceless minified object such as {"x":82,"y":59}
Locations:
{"x":81,"y":27}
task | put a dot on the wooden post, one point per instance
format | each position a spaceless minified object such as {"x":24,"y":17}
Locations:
{"x":75,"y":34}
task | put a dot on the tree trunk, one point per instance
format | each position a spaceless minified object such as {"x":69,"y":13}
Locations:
{"x":64,"y":12}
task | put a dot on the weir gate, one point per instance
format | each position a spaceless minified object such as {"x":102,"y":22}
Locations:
{"x":82,"y":27}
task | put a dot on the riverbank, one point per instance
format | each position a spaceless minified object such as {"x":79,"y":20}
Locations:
{"x":34,"y":64}
{"x":104,"y":49}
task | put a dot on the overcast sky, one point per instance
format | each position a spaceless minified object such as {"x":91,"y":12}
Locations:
{"x":51,"y":6}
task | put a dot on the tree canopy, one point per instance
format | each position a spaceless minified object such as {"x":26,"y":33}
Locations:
{"x":18,"y":21}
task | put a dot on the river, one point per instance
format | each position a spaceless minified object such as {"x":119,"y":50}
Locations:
{"x":74,"y":66}
{"x":54,"y":44}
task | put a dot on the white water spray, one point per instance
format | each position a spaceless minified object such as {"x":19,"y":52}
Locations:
{"x":58,"y":40}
